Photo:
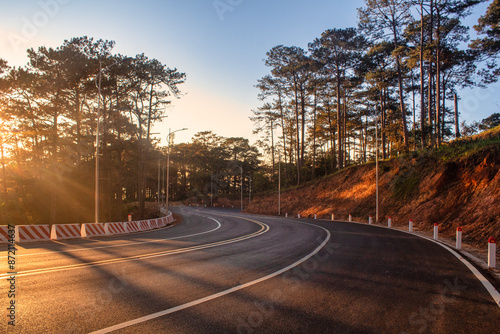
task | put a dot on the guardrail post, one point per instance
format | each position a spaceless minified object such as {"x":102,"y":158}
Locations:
{"x":492,"y":253}
{"x":436,"y":227}
{"x":410,"y":225}
{"x":459,"y":238}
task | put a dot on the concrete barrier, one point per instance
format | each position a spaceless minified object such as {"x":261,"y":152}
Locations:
{"x":132,"y":227}
{"x":153,"y":223}
{"x":29,"y":233}
{"x":4,"y":234}
{"x":114,"y":228}
{"x":92,"y":230}
{"x":144,"y":225}
{"x":65,"y":231}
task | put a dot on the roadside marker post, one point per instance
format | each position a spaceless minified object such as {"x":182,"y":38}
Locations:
{"x":286,"y":215}
{"x":315,"y":216}
{"x":389,"y":222}
{"x":298,"y":215}
{"x":492,"y":253}
{"x":370,"y":220}
{"x":410,"y":225}
{"x":459,"y":238}
{"x":436,"y":227}
{"x":333,"y":216}
{"x":350,"y":218}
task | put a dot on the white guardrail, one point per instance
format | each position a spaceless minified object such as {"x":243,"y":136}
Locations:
{"x":28,"y":233}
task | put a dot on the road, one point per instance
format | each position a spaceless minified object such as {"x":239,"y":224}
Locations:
{"x":225,"y":272}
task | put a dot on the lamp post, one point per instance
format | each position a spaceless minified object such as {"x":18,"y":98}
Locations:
{"x":279,"y":184}
{"x":376,"y":168}
{"x":250,"y":191}
{"x":96,"y":207}
{"x":168,"y":160}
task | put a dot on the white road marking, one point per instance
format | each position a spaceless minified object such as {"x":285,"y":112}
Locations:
{"x":264,"y":229}
{"x":123,"y":244}
{"x":489,"y":287}
{"x":216,"y":295}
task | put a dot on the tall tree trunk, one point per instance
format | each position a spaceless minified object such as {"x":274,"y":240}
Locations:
{"x":383,"y":122}
{"x":339,"y":125}
{"x":457,"y":125}
{"x":283,"y":132}
{"x":314,"y":135}
{"x":438,"y":79}
{"x":402,"y":103}
{"x":303,"y":125}
{"x":422,"y":99}
{"x":272,"y":146}
{"x":54,"y":187}
{"x":297,"y":124}
{"x":430,"y":85}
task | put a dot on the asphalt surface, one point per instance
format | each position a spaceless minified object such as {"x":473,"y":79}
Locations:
{"x":225,"y":272}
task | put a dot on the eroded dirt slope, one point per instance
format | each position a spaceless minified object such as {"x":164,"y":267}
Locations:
{"x":462,"y":191}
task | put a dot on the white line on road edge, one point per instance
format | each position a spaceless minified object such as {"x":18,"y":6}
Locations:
{"x":489,"y":287}
{"x":126,"y":244}
{"x":216,"y":295}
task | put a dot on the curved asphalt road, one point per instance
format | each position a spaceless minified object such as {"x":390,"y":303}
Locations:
{"x":224,"y":272}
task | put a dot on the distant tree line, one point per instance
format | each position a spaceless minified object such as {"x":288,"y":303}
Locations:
{"x":323,"y":106}
{"x":211,"y":166}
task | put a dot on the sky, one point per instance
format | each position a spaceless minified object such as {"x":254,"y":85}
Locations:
{"x":219,"y":44}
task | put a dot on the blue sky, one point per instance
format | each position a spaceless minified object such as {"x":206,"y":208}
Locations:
{"x":219,"y":44}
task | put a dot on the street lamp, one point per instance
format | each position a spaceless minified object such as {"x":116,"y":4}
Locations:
{"x":96,"y":212}
{"x":168,"y":159}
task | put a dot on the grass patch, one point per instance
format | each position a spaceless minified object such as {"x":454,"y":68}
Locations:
{"x":405,"y":184}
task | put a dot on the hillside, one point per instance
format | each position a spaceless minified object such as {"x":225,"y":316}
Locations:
{"x":455,"y":185}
